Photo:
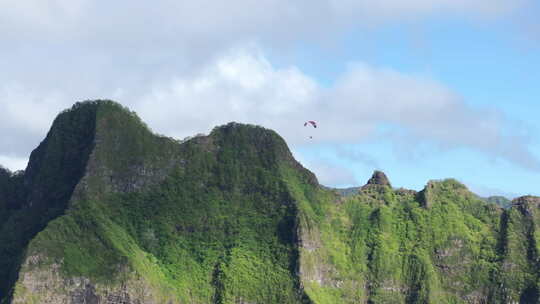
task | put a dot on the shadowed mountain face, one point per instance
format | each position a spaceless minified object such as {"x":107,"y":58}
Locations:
{"x":108,"y":212}
{"x":30,"y":200}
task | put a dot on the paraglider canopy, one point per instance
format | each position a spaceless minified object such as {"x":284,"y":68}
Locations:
{"x":310,"y":122}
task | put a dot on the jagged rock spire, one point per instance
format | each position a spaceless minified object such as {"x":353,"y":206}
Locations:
{"x":379,"y":178}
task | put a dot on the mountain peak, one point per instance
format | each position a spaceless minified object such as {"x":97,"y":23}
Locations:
{"x":379,"y":178}
{"x":247,"y":137}
{"x":435,"y":187}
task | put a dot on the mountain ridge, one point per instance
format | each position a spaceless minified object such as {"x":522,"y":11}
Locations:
{"x":116,"y":214}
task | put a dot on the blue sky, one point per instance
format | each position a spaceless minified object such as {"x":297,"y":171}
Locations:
{"x":487,"y":65}
{"x":420,"y":89}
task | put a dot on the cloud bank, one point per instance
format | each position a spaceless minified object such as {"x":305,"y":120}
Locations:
{"x":243,"y":86}
{"x":204,"y":17}
{"x":186,"y":66}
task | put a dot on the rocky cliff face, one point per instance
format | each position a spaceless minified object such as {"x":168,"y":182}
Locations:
{"x":519,"y":248}
{"x":108,"y":212}
{"x":100,"y":162}
{"x":42,"y":192}
{"x":378,"y":178}
{"x":152,"y":220}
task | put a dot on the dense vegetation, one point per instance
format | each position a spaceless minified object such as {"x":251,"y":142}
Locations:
{"x":214,"y":230}
{"x":232,"y":218}
{"x":31,"y":199}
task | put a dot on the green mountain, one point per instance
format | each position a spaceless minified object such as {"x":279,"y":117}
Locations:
{"x":108,"y":212}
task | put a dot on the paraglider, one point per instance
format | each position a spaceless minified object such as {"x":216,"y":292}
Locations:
{"x":312,"y":123}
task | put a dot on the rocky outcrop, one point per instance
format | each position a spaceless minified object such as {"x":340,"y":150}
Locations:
{"x":118,"y":162}
{"x":378,"y":188}
{"x":47,"y":285}
{"x":379,"y":178}
{"x":526,"y":204}
{"x":520,"y":229}
{"x":425,"y":197}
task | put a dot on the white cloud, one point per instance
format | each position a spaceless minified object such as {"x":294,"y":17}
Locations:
{"x":397,"y":10}
{"x":25,"y":117}
{"x":22,"y":109}
{"x":13,"y":163}
{"x":330,"y":174}
{"x":240,"y":86}
{"x":243,"y":86}
{"x":33,"y":18}
{"x":165,"y":59}
{"x":196,"y":28}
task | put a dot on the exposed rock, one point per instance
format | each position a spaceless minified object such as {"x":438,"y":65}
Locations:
{"x":378,"y":188}
{"x":392,"y":286}
{"x":425,"y":197}
{"x":528,"y":199}
{"x":477,"y":297}
{"x":527,"y":205}
{"x":86,"y":295}
{"x":45,"y":284}
{"x":446,"y":257}
{"x":379,"y":178}
{"x":312,"y":267}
